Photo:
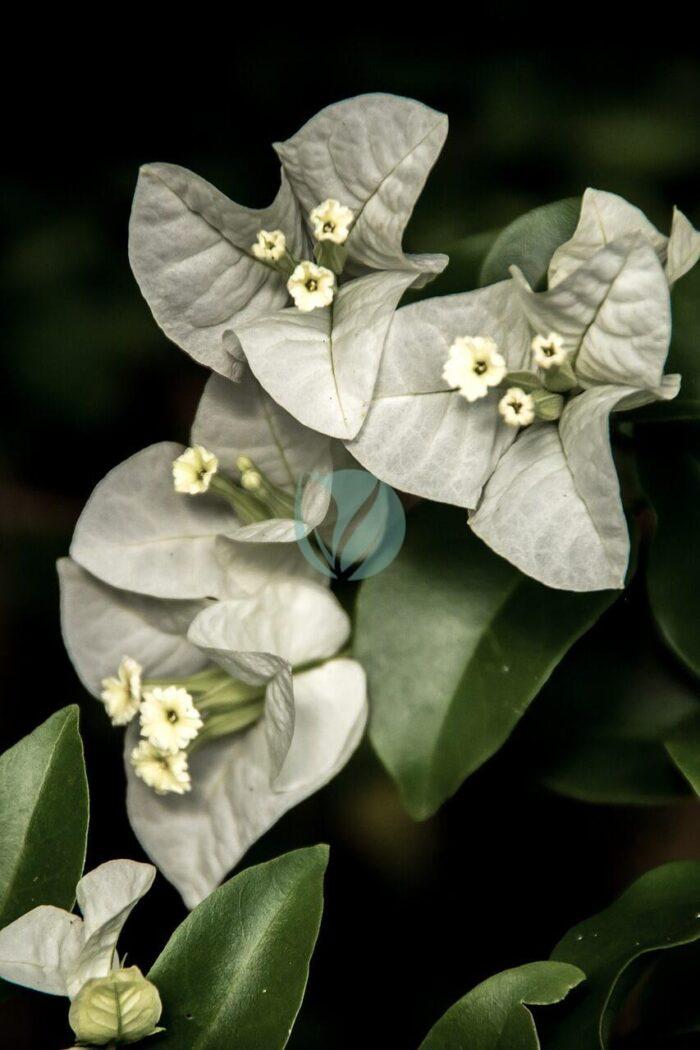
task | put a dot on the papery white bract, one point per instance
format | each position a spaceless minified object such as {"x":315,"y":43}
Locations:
{"x":52,"y":951}
{"x":205,"y":266}
{"x":420,"y":435}
{"x":552,"y":506}
{"x":311,"y":724}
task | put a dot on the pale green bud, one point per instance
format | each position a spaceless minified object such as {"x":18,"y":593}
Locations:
{"x":548,"y":406}
{"x":561,"y":378}
{"x":121,"y":1008}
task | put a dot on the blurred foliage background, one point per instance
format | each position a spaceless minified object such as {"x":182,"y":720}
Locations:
{"x":416,"y":913}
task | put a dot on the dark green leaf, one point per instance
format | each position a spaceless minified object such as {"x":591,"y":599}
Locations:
{"x":493,"y":1015}
{"x":530,"y":242}
{"x":599,"y":729}
{"x":43,"y":817}
{"x":234,"y":973}
{"x":456,"y":643}
{"x":466,"y":259}
{"x":684,"y":355}
{"x":671,"y":478}
{"x":660,"y":910}
{"x":684,"y":748}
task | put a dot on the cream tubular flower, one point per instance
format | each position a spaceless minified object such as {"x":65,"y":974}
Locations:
{"x":270,"y":246}
{"x":163,"y":772}
{"x":122,"y":695}
{"x":169,"y":719}
{"x":311,"y":286}
{"x":473,"y":366}
{"x":517,"y":408}
{"x":331,"y":221}
{"x":194,"y":469}
{"x":548,"y":350}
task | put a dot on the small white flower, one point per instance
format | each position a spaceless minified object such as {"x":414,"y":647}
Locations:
{"x":270,"y":245}
{"x":163,"y":772}
{"x":517,"y":407}
{"x":169,"y":719}
{"x":122,"y":695}
{"x":311,"y":286}
{"x":473,"y":366}
{"x":548,"y":350}
{"x":331,"y":221}
{"x":194,"y":469}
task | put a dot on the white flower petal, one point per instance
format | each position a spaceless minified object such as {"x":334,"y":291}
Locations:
{"x":322,"y":366}
{"x":136,"y":532}
{"x":553,"y":508}
{"x":106,"y":897}
{"x":373,"y":153}
{"x":241,"y":419}
{"x":604,"y":217}
{"x":41,"y":949}
{"x":683,"y":247}
{"x":101,"y":624}
{"x":421,"y":437}
{"x":613,"y":312}
{"x":190,"y":250}
{"x":297,"y":621}
{"x":195,"y":840}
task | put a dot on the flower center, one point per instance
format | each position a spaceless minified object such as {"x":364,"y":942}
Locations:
{"x":311,"y":284}
{"x":548,"y":350}
{"x":516,"y":405}
{"x":328,"y":227}
{"x":480,"y":367}
{"x":172,"y":716}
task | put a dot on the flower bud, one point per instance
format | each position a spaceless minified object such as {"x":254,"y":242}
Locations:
{"x":122,"y":1007}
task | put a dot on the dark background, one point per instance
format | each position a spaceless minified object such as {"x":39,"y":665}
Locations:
{"x":416,"y":913}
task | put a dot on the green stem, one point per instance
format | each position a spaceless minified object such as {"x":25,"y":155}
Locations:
{"x":247,"y":507}
{"x":201,"y":682}
{"x":227,"y":722}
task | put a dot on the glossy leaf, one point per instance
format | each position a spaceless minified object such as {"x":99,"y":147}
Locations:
{"x":684,"y":748}
{"x":660,"y":910}
{"x":671,"y":478}
{"x":456,"y":643}
{"x":493,"y":1016}
{"x":599,"y":729}
{"x":43,"y":817}
{"x":234,"y":973}
{"x":530,"y":241}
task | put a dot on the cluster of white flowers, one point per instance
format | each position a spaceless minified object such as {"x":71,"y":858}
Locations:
{"x":310,"y":284}
{"x":169,"y":722}
{"x":475,"y":366}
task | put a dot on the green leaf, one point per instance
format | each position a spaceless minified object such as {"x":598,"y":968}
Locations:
{"x":671,"y":478}
{"x":456,"y":644}
{"x":684,"y":748}
{"x":530,"y":242}
{"x":43,"y":817}
{"x":493,"y":1015}
{"x":684,"y":355}
{"x":659,"y":910}
{"x":466,"y":259}
{"x":599,"y":729}
{"x":234,"y":973}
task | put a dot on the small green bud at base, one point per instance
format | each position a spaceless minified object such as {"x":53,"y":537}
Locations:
{"x":548,"y":406}
{"x":332,"y":256}
{"x":561,"y":378}
{"x":527,"y":381}
{"x":122,"y":1007}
